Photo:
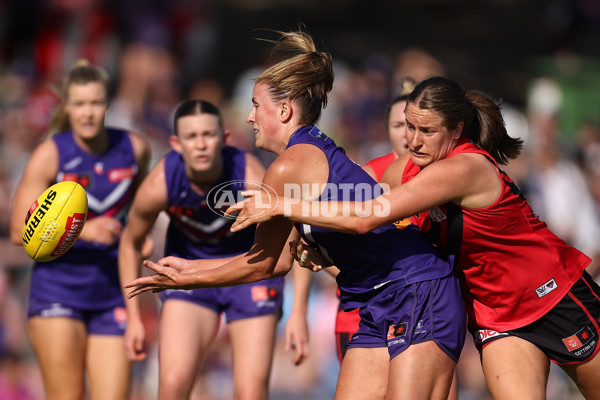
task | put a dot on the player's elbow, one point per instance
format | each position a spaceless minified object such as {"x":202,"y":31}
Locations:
{"x":282,"y":268}
{"x":361,"y":226}
{"x":16,"y":235}
{"x":269,"y":268}
{"x":16,"y":238}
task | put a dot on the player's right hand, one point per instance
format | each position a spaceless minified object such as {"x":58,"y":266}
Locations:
{"x":104,"y":230}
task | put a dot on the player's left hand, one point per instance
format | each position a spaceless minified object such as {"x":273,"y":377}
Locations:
{"x":296,"y":337}
{"x":258,"y":207}
{"x":307,"y":256}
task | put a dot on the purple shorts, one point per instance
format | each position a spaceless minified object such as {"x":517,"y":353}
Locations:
{"x":110,"y":321}
{"x":236,"y":302}
{"x":422,"y":311}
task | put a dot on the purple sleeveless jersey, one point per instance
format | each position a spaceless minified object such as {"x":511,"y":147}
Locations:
{"x":197,"y":231}
{"x":377,"y":262}
{"x":86,"y":276}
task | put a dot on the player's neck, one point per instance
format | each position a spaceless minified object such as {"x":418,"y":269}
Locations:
{"x":204,"y":181}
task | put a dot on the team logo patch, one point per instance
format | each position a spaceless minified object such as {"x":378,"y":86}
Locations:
{"x":263,"y":293}
{"x":120,"y":314}
{"x":578,"y":340}
{"x":316,"y":133}
{"x":99,"y":168}
{"x":395,"y":331}
{"x":437,"y":215}
{"x":546,"y":288}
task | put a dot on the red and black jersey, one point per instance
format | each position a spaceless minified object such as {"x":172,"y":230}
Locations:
{"x":513,"y":269}
{"x":380,"y":164}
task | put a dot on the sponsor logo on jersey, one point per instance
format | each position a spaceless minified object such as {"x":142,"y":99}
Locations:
{"x":546,"y":288}
{"x":120,"y":174}
{"x":83,"y":179}
{"x":437,"y":215}
{"x":395,"y":331}
{"x":580,"y":342}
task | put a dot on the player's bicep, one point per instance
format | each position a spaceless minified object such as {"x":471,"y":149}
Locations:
{"x":150,"y":199}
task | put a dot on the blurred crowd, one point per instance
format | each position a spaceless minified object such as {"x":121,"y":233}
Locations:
{"x":161,"y":58}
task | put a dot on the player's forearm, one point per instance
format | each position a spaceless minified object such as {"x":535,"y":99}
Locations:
{"x":341,"y":216}
{"x":240,"y":270}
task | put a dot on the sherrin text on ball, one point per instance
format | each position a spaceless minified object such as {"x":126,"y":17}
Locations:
{"x":55,"y":221}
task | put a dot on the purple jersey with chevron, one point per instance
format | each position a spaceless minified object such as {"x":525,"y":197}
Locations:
{"x":195,"y":229}
{"x":87,"y":275}
{"x":197,"y":232}
{"x":380,"y":261}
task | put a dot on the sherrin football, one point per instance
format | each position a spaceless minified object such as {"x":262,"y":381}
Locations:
{"x":54,"y":221}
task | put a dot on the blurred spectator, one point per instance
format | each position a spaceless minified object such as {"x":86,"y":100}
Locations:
{"x":416,"y":63}
{"x":556,"y":187}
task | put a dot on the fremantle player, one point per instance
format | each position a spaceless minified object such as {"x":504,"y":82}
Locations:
{"x":75,"y":307}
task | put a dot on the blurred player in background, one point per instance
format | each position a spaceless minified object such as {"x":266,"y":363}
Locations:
{"x":395,"y":122}
{"x":75,"y":308}
{"x":181,"y":184}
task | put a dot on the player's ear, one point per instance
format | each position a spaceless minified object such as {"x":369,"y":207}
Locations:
{"x":226,"y":136}
{"x":285,"y":111}
{"x":459,"y":130}
{"x":174,"y":142}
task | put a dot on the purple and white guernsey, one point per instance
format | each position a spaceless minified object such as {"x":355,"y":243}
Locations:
{"x":87,"y":275}
{"x":197,"y":231}
{"x":377,"y":262}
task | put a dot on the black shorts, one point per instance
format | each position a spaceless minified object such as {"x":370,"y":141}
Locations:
{"x":567,"y":334}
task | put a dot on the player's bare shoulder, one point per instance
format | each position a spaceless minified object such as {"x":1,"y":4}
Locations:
{"x":302,"y":163}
